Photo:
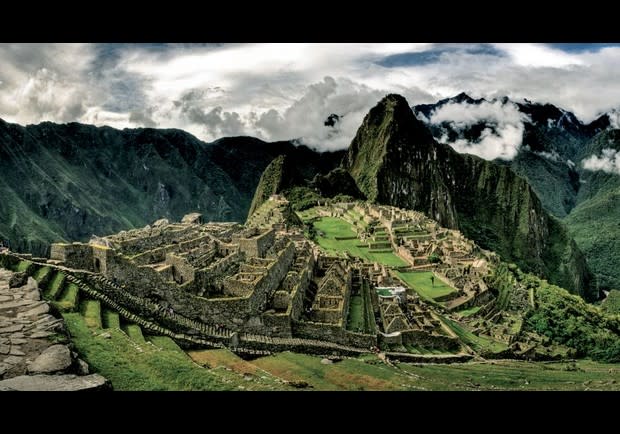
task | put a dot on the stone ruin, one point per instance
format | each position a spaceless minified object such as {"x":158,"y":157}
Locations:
{"x":263,"y":286}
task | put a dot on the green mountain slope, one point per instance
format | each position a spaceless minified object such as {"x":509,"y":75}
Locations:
{"x":67,"y":182}
{"x":395,"y":160}
{"x":595,"y":221}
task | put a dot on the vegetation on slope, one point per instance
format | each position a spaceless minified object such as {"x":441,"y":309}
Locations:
{"x":566,"y":319}
{"x":395,"y":160}
{"x":67,"y":182}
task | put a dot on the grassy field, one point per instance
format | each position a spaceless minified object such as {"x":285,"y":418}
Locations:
{"x":330,"y":227}
{"x":117,"y":359}
{"x":469,"y":311}
{"x":368,"y":373}
{"x":355,"y":320}
{"x":69,"y":297}
{"x":420,"y":281}
{"x":55,"y":286}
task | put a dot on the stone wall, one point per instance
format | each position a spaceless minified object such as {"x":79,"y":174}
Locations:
{"x":428,"y":340}
{"x":76,"y":255}
{"x":332,"y":333}
{"x":153,"y":239}
{"x":159,"y":254}
{"x":101,"y":258}
{"x":182,"y":271}
{"x":277,"y":324}
{"x":205,"y":277}
{"x":256,"y":246}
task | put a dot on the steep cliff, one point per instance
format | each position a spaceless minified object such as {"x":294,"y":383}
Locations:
{"x":395,"y":160}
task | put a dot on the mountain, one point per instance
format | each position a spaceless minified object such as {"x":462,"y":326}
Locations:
{"x":554,"y":145}
{"x":595,"y":221}
{"x":67,"y":182}
{"x":395,"y":160}
{"x":278,"y":175}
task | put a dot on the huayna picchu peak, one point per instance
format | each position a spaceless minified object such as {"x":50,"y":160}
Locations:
{"x":395,"y":161}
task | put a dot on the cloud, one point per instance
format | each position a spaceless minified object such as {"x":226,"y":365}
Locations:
{"x":501,"y":139}
{"x":614,"y":118}
{"x":303,"y":119}
{"x":286,"y":91}
{"x":553,"y":156}
{"x":608,"y":162}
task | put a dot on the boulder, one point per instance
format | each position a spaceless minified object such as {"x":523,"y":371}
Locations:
{"x":18,"y":279}
{"x":54,"y":359}
{"x":55,"y":383}
{"x":82,"y":367}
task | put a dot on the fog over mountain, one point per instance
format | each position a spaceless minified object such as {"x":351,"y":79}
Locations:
{"x":286,"y":91}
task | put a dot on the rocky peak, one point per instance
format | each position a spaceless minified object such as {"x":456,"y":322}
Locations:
{"x":278,"y":176}
{"x":389,"y":129}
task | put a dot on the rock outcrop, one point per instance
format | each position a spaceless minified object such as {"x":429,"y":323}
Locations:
{"x":29,"y":360}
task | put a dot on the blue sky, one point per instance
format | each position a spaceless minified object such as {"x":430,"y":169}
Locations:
{"x":284,"y":91}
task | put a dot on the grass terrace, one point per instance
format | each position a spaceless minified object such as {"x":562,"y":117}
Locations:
{"x":420,"y":282}
{"x":328,"y":228}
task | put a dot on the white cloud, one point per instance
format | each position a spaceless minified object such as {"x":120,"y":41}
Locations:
{"x":280,"y":91}
{"x":503,"y":141}
{"x":608,"y":162}
{"x":614,"y":118}
{"x":539,"y":55}
{"x":553,"y":156}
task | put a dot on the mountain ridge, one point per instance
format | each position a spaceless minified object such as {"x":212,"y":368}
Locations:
{"x":396,"y":161}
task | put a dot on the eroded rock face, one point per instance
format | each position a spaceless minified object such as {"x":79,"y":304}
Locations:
{"x":55,"y":383}
{"x":55,"y":358}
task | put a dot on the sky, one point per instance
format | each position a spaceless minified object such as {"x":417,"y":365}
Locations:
{"x":286,"y":91}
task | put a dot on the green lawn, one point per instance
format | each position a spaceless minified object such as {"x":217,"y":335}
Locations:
{"x":111,"y":319}
{"x":367,"y":373}
{"x":55,"y":286}
{"x":330,"y":227}
{"x":40,"y":274}
{"x":69,"y":297}
{"x":150,"y":369}
{"x":135,"y":332}
{"x":355,"y":322}
{"x":469,"y":311}
{"x":23,"y":266}
{"x":165,"y":343}
{"x":420,"y":281}
{"x":91,"y":309}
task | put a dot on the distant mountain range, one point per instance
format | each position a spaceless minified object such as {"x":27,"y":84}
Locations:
{"x":555,"y":145}
{"x":68,"y":182}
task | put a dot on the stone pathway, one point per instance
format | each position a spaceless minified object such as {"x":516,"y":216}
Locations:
{"x":25,"y":348}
